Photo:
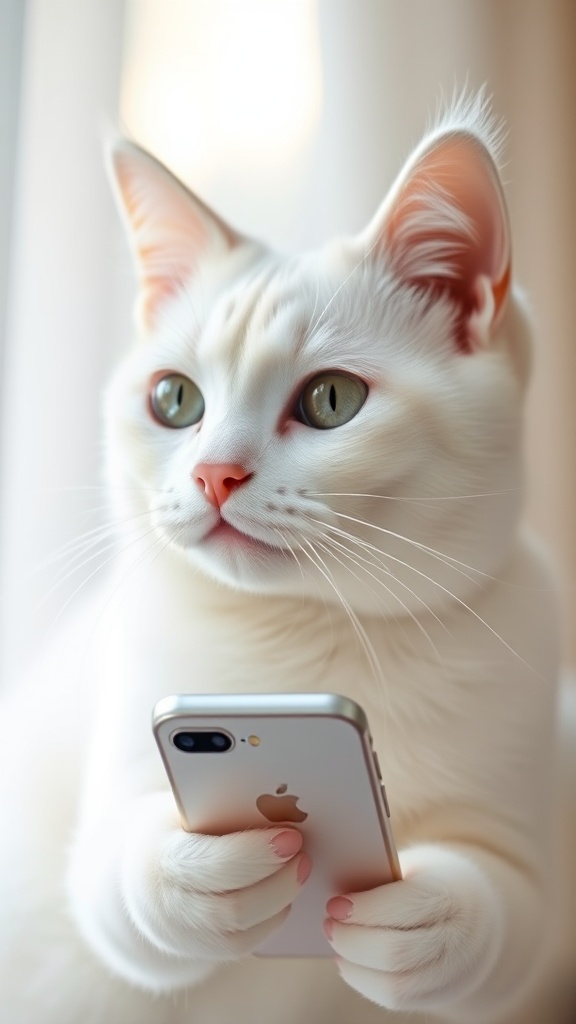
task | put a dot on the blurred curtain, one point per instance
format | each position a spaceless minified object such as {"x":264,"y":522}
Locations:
{"x":12,"y":25}
{"x":62,"y":331}
{"x":291,"y":117}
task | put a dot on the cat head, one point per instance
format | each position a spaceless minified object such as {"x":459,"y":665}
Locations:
{"x":345,"y":423}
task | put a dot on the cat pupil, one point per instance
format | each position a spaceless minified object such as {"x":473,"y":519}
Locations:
{"x":333,"y":398}
{"x":180,"y":393}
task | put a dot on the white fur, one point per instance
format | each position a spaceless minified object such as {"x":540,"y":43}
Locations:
{"x":391,"y":569}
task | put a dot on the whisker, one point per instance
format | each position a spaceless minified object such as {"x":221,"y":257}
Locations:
{"x":82,"y":541}
{"x":363,"y":639}
{"x":104,"y":488}
{"x":288,"y":550}
{"x":329,"y":544}
{"x":157,"y":542}
{"x":74,"y":549}
{"x":398,"y":497}
{"x":72,"y":572}
{"x":422,"y":547}
{"x":77,"y":562}
{"x":395,"y":597}
{"x":449,"y":560}
{"x":445,"y":590}
{"x":79,"y":545}
{"x":365,"y":545}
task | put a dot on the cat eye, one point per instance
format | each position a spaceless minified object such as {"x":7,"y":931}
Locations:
{"x":330,"y":400}
{"x":176,"y":401}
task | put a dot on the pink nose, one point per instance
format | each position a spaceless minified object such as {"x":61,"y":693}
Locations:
{"x":218,"y":479}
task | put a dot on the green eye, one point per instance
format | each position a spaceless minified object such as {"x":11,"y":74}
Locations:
{"x":331,"y":399}
{"x":176,"y":401}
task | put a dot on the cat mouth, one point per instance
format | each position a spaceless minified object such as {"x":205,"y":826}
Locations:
{"x":225,"y":531}
{"x":227,"y":534}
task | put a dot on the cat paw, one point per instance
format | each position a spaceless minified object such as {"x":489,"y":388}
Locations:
{"x":422,"y":942}
{"x":207,"y":897}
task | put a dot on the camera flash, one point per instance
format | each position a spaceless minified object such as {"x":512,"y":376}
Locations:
{"x":254,"y":741}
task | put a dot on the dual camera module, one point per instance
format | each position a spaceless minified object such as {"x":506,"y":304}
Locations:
{"x":202,"y":742}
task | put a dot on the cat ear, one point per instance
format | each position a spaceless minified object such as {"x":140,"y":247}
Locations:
{"x":170,"y":229}
{"x":444,"y":229}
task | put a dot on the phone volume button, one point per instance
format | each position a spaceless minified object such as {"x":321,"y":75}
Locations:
{"x":385,"y":799}
{"x":377,"y":765}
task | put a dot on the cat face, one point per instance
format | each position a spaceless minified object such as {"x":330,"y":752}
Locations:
{"x":327,"y":425}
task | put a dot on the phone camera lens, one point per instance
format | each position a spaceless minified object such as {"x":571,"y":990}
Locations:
{"x":185,"y":741}
{"x":219,"y":742}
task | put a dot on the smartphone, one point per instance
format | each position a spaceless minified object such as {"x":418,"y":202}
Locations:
{"x":304,"y":760}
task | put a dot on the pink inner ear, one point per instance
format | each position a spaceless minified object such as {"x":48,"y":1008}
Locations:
{"x":447,"y":227}
{"x":171,"y":230}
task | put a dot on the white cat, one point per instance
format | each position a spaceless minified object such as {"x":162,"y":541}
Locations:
{"x":315,"y":466}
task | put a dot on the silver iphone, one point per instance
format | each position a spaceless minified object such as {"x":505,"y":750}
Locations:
{"x":305,"y":760}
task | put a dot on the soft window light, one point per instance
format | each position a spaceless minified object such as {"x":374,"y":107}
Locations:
{"x":241,"y":87}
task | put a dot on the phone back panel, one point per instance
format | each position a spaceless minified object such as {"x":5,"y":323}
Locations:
{"x":304,"y":761}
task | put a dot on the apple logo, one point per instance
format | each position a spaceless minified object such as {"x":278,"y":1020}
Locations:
{"x":281,"y":807}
